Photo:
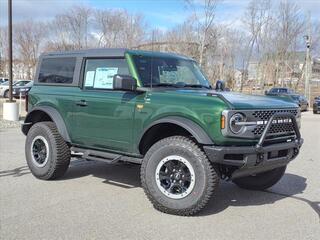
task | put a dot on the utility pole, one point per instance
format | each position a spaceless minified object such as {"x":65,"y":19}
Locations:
{"x":10,"y":107}
{"x":10,"y":47}
{"x":308,"y":67}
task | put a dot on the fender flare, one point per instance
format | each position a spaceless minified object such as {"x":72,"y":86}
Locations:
{"x":193,"y":128}
{"x":55,"y":117}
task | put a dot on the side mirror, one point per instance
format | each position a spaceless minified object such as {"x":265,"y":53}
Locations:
{"x":124,"y":82}
{"x":220,"y":85}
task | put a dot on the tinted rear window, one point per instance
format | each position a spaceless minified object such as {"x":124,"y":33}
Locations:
{"x":57,"y":70}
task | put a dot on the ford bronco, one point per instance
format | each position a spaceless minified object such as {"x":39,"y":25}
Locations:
{"x":158,"y":110}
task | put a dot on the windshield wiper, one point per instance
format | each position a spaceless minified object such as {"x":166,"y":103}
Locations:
{"x":177,"y":85}
{"x":197,"y":86}
{"x":161,"y":85}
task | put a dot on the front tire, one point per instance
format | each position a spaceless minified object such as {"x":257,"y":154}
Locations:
{"x":261,"y":181}
{"x":48,"y":155}
{"x":177,"y":177}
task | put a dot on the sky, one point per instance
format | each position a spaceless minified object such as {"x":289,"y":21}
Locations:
{"x":162,"y":14}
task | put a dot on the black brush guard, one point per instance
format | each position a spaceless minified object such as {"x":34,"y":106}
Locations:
{"x":249,"y":160}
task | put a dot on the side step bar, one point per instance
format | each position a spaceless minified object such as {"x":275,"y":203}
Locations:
{"x":106,"y":157}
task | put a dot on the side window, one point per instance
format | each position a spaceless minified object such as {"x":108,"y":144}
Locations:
{"x":18,"y":84}
{"x":21,"y":83}
{"x":99,"y":73}
{"x":283,"y":90}
{"x":274,"y":90}
{"x":57,"y":70}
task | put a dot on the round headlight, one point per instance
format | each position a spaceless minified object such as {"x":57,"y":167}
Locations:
{"x":234,"y":120}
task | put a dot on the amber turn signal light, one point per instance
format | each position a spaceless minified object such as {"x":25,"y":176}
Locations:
{"x":223,"y":122}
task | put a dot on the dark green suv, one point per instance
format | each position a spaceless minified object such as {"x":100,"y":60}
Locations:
{"x":158,"y":110}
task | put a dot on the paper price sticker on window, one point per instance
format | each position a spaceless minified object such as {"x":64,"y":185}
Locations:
{"x":89,"y":80}
{"x":104,"y":77}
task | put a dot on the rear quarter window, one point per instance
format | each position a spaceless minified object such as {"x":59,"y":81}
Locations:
{"x":57,"y":70}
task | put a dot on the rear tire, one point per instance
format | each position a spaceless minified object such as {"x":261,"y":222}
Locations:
{"x":261,"y":181}
{"x":184,"y":194}
{"x":48,"y":155}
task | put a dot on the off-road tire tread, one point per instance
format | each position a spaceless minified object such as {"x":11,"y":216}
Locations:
{"x":62,"y":150}
{"x":212,"y":184}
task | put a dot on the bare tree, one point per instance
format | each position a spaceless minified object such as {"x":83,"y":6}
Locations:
{"x":28,"y":39}
{"x":70,"y":30}
{"x":203,"y":18}
{"x":109,"y":24}
{"x":315,"y":46}
{"x":290,"y":24}
{"x":279,"y":42}
{"x":118,"y":28}
{"x":256,"y":17}
{"x":182,"y":39}
{"x":3,"y":50}
{"x":227,"y":52}
{"x":135,"y":30}
{"x":270,"y":34}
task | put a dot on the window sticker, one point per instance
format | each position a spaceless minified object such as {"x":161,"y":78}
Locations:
{"x":104,"y":77}
{"x":167,"y":74}
{"x":89,"y":79}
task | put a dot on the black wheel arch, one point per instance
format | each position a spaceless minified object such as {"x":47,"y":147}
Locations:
{"x":46,"y":113}
{"x":194,"y":129}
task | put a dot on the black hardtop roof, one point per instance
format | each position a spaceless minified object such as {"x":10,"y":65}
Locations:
{"x":108,"y":52}
{"x":111,"y":52}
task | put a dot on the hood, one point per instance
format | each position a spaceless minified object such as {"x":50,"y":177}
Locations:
{"x":245,"y":101}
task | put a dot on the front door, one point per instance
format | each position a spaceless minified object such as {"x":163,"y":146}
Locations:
{"x":103,"y":117}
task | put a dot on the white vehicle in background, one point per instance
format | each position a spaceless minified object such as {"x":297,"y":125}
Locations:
{"x":4,"y":88}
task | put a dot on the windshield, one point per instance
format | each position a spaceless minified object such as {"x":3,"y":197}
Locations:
{"x":162,"y":71}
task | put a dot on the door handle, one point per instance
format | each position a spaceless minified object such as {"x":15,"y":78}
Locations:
{"x":82,"y":103}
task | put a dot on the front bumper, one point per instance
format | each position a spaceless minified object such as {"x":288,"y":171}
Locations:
{"x":248,"y":160}
{"x":17,"y":93}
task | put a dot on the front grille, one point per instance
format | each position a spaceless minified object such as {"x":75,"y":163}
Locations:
{"x":277,"y":128}
{"x":266,"y":114}
{"x":282,"y":128}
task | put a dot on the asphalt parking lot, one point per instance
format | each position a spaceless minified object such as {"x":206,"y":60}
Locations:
{"x":99,"y":201}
